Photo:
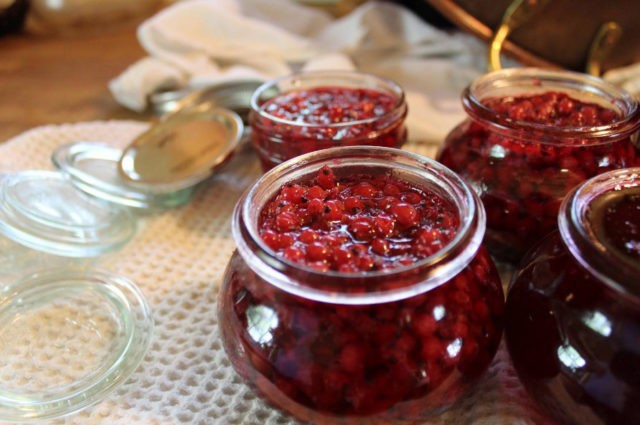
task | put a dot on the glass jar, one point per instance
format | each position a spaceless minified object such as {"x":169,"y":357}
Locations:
{"x":572,"y":318}
{"x":531,"y":136}
{"x":392,"y":345}
{"x":314,"y":110}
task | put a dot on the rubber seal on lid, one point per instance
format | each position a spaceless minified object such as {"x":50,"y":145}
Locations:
{"x":67,"y":339}
{"x":43,"y":211}
{"x":93,"y":168}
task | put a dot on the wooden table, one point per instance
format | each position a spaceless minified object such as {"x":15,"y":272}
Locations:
{"x":62,"y":79}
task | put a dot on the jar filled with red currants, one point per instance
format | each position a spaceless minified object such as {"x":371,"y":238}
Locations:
{"x":531,"y":136}
{"x":573,"y":310}
{"x":314,"y":110}
{"x":360,"y":292}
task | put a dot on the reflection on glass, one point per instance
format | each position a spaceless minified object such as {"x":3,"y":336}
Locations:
{"x":497,"y":151}
{"x":597,"y":322}
{"x":570,"y":357}
{"x":261,"y":320}
{"x":439,"y":312}
{"x":454,"y":347}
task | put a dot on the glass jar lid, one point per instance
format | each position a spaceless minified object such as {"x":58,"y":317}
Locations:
{"x":93,"y":168}
{"x":41,"y":210}
{"x":67,"y":339}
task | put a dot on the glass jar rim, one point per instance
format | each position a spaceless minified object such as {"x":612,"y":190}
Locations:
{"x":552,"y":80}
{"x":355,"y":79}
{"x":582,"y":240}
{"x":326,"y":286}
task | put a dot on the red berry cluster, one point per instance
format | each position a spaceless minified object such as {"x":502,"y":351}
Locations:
{"x":404,"y":360}
{"x":331,"y":105}
{"x":552,"y":109}
{"x":303,"y":121}
{"x":356,"y":223}
{"x":523,"y":177}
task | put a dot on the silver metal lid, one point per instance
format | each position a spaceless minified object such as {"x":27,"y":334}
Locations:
{"x":232,"y":95}
{"x":93,"y":168}
{"x":182,"y":150}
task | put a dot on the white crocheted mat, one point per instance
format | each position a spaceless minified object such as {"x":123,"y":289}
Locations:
{"x":177,"y":259}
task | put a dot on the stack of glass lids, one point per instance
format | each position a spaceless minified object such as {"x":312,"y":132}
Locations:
{"x":69,"y":334}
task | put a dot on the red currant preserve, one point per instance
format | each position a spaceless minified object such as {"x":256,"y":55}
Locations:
{"x":530,"y":137}
{"x":360,"y":291}
{"x":309,"y":111}
{"x":572,"y":318}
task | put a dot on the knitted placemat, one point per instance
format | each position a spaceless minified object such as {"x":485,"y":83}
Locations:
{"x":177,"y":258}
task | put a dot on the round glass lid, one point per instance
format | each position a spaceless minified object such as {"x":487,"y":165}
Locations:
{"x":93,"y":168}
{"x":67,"y":339}
{"x":42,"y":210}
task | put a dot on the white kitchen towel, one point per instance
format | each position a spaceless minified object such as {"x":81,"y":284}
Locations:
{"x":627,"y":77}
{"x":198,"y":42}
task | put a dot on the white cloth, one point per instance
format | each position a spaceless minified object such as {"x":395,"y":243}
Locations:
{"x":198,"y":42}
{"x":627,"y":77}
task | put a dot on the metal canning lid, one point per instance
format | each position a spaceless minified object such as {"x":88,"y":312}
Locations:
{"x":43,"y":211}
{"x":231,"y":95}
{"x":93,"y":168}
{"x":182,"y":150}
{"x":68,"y":339}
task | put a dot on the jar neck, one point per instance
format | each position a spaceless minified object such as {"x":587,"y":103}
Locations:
{"x":580,"y":227}
{"x":361,"y":287}
{"x":513,"y":82}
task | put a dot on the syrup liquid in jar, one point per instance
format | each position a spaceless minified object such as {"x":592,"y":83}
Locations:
{"x":360,"y":291}
{"x":314,"y":110}
{"x":573,"y":308}
{"x":531,"y":136}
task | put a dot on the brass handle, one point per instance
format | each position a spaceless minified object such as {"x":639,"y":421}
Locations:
{"x":606,"y":38}
{"x":518,"y":12}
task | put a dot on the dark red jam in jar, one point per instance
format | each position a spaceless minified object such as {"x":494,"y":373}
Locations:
{"x":360,"y":291}
{"x":309,"y":111}
{"x":530,"y":137}
{"x":572,"y":319}
{"x":619,"y":222}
